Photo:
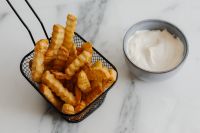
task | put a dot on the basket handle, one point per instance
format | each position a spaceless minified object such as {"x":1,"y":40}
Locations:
{"x":24,"y":24}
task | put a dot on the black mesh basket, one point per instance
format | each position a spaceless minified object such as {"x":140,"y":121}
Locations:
{"x":26,"y":72}
{"x":78,"y":40}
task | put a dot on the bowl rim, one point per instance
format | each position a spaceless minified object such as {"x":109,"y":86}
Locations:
{"x":186,"y":48}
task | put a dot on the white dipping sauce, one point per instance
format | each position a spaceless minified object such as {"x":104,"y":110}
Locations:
{"x":155,"y":50}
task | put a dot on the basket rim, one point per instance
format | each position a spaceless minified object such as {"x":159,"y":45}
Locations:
{"x":69,"y":115}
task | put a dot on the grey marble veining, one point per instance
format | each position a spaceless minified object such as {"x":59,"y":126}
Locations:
{"x":3,"y":16}
{"x":91,"y":14}
{"x":171,"y":7}
{"x":58,"y":124}
{"x":127,"y":119}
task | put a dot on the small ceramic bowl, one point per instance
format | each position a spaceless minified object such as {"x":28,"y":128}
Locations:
{"x":154,"y":25}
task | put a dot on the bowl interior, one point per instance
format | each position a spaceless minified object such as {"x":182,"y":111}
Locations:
{"x":155,"y":25}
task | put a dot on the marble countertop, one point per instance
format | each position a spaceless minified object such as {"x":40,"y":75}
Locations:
{"x":132,"y":106}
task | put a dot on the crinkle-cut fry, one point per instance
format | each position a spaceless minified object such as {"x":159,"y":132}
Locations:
{"x":50,"y":96}
{"x":83,"y":58}
{"x":68,"y":109}
{"x":113,"y":75}
{"x":88,"y":70}
{"x":87,"y":46}
{"x":38,"y":59}
{"x":69,"y":31}
{"x":108,"y":82}
{"x":105,"y":72}
{"x":56,"y":41}
{"x":72,"y":55}
{"x":79,"y":50}
{"x":97,"y":65}
{"x":78,"y":95}
{"x":62,"y":57}
{"x":98,"y":73}
{"x":73,"y":51}
{"x":58,"y":75}
{"x":57,"y":87}
{"x":96,"y":84}
{"x":65,"y":50}
{"x":83,"y":83}
{"x":79,"y":107}
{"x":96,"y":91}
{"x":101,"y":74}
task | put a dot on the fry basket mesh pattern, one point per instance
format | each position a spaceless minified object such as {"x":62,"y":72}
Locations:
{"x":78,"y":40}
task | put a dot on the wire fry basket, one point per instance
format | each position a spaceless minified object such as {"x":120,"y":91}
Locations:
{"x":78,"y":40}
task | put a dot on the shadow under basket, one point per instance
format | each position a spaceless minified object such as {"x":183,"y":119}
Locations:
{"x":78,"y":40}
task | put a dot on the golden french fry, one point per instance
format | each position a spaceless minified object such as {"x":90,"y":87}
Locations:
{"x":93,"y":95}
{"x":58,"y":75}
{"x":68,"y":109}
{"x":83,"y":83}
{"x":96,"y":91}
{"x":50,"y":96}
{"x":67,"y":49}
{"x":105,"y":72}
{"x":96,"y":84}
{"x":98,"y":73}
{"x":72,"y":55}
{"x":38,"y":60}
{"x":79,"y":50}
{"x":108,"y":82}
{"x":97,"y":65}
{"x":102,"y":73}
{"x":88,"y":70}
{"x":79,"y":107}
{"x":56,"y":41}
{"x":113,"y":75}
{"x":69,"y":31}
{"x":62,"y":56}
{"x":83,"y":58}
{"x":73,"y":51}
{"x":87,"y":46}
{"x":78,"y":95}
{"x":57,"y":87}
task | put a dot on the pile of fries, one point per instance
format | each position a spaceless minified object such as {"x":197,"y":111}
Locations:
{"x":66,"y":74}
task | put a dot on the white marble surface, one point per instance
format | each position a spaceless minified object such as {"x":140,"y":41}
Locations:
{"x":132,"y":106}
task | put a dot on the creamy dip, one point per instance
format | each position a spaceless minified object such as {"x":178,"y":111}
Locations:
{"x":155,"y":50}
